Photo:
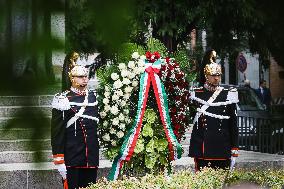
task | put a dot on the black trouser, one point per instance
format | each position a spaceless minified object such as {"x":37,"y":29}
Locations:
{"x":80,"y":177}
{"x":221,"y":164}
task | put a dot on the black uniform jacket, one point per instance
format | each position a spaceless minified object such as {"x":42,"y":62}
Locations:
{"x":214,"y":138}
{"x":79,"y":142}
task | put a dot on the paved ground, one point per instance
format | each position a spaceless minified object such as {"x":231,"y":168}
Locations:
{"x":244,"y":160}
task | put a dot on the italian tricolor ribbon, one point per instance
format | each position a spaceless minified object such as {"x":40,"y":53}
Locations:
{"x":130,"y":140}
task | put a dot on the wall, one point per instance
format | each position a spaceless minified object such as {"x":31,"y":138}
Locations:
{"x":276,"y":83}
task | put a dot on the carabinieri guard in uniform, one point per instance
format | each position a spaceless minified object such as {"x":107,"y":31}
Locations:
{"x":214,"y":138}
{"x":74,"y":140}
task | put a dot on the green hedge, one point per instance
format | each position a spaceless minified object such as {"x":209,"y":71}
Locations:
{"x":208,"y":178}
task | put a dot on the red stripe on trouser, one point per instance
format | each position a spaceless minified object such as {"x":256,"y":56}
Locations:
{"x":195,"y":165}
{"x":65,"y":184}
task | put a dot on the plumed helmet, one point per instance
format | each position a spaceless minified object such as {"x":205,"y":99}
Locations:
{"x":213,"y":69}
{"x":77,"y":71}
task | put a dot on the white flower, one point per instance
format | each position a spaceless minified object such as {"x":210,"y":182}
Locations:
{"x":135,"y":55}
{"x":115,"y":121}
{"x":126,"y":81}
{"x":113,"y":143}
{"x":117,"y":84}
{"x":127,"y":120}
{"x":134,"y":83}
{"x":122,"y":126}
{"x":107,"y":88}
{"x":105,"y":123}
{"x":121,"y":117}
{"x":112,"y":131}
{"x":107,"y":94}
{"x":103,"y":114}
{"x":114,"y":76}
{"x":119,"y":92}
{"x":114,"y":110}
{"x":126,"y":96}
{"x":136,"y":71}
{"x":123,"y":103}
{"x":124,"y":73}
{"x":128,"y":89}
{"x":142,"y":57}
{"x":141,"y":63}
{"x":105,"y":101}
{"x":106,"y":137}
{"x":121,"y":66}
{"x":120,"y":134}
{"x":115,"y":97}
{"x":131,"y":64}
{"x":141,"y":69}
{"x":107,"y":108}
{"x":131,"y":75}
{"x":126,"y":111}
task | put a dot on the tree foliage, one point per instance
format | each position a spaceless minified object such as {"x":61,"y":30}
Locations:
{"x":231,"y":25}
{"x":101,"y":25}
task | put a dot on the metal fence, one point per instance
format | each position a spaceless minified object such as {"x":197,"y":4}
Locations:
{"x":261,"y":134}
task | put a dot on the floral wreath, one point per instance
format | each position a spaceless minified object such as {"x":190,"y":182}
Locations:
{"x":115,"y":109}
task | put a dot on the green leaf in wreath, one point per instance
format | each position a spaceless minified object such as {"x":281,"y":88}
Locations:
{"x":111,"y":153}
{"x":150,"y":146}
{"x":150,"y":161}
{"x":163,"y":160}
{"x":151,"y":116}
{"x":147,"y":130}
{"x":156,"y":45}
{"x":161,"y":144}
{"x":139,"y":146}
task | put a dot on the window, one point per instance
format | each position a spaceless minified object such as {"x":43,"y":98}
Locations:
{"x":248,"y":101}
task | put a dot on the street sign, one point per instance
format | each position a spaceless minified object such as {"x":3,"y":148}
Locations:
{"x":241,"y":63}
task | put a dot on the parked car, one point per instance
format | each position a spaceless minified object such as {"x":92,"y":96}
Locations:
{"x":249,"y":104}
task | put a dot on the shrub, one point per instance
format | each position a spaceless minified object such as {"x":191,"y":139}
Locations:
{"x":206,"y":179}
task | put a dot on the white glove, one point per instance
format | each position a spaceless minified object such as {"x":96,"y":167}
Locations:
{"x":233,"y":162}
{"x":62,"y":170}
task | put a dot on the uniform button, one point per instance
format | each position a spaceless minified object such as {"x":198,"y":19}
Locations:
{"x":219,"y":129}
